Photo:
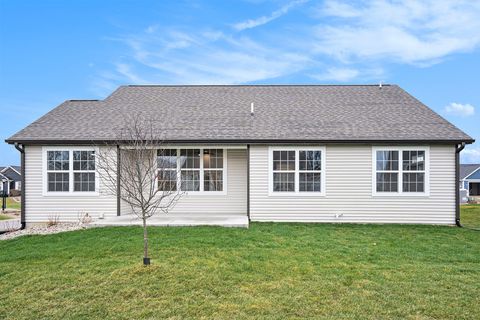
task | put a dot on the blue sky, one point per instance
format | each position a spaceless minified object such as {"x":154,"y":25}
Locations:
{"x":51,"y":51}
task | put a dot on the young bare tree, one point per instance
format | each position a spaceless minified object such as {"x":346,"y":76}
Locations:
{"x":141,"y":171}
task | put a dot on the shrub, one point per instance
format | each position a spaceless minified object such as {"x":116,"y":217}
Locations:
{"x":84,"y":218}
{"x":15,"y":193}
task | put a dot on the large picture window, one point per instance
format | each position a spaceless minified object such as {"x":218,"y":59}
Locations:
{"x":401,"y":170}
{"x":191,"y":170}
{"x":167,"y":173}
{"x":297,"y":171}
{"x":70,"y":170}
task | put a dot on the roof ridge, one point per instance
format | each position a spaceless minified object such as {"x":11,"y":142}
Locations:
{"x":257,"y":85}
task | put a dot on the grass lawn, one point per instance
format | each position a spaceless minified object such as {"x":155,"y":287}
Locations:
{"x":11,"y":204}
{"x":271,"y":271}
{"x":470,"y":215}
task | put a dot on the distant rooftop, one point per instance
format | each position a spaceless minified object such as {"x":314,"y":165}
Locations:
{"x":11,"y":172}
{"x":468,"y":169}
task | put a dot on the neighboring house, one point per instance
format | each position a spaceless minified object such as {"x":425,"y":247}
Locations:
{"x":470,"y":179}
{"x":12,"y":176}
{"x":306,"y":153}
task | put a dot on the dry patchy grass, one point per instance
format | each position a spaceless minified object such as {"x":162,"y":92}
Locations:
{"x":272,"y":271}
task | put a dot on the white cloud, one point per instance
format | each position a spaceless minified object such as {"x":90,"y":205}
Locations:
{"x":345,"y":41}
{"x":203,"y":57}
{"x":252,"y":23}
{"x":152,"y":28}
{"x":340,"y":9}
{"x":126,"y":71}
{"x":415,"y":32}
{"x":337,"y":74}
{"x":470,"y":155}
{"x":459,"y":109}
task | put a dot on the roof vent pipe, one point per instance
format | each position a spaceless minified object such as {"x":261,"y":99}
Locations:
{"x":380,"y":85}
{"x":252,"y":108}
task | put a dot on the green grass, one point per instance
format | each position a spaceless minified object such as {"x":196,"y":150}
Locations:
{"x":272,"y":271}
{"x":11,"y":204}
{"x":470,"y":215}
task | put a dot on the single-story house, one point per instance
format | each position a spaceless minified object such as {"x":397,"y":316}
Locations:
{"x":12,"y":177}
{"x":470,"y":179}
{"x":303,"y":153}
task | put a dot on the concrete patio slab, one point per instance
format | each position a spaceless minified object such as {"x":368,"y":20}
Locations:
{"x":175,"y":220}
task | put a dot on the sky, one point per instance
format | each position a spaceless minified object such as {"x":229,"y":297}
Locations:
{"x":53,"y":50}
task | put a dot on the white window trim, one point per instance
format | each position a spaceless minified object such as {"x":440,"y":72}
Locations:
{"x":201,"y":169}
{"x":297,"y":192}
{"x":400,"y":171}
{"x":69,"y":193}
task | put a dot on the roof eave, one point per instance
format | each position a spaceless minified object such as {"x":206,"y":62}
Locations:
{"x":247,"y":141}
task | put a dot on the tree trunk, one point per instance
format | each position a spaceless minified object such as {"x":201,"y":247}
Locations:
{"x":146,"y":259}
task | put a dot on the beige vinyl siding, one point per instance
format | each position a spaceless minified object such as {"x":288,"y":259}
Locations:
{"x":40,"y":207}
{"x":349,"y":191}
{"x":233,"y":202}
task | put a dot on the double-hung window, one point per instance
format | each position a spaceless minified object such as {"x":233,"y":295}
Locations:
{"x":213,"y":169}
{"x":84,"y":171}
{"x":284,"y":170}
{"x":310,"y":168}
{"x":387,"y":170}
{"x":191,"y":169}
{"x":413,"y":171}
{"x":58,"y":171}
{"x":70,"y":170}
{"x":297,"y":171}
{"x":401,"y":170}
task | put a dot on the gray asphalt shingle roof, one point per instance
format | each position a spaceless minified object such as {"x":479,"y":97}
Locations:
{"x":17,"y":168}
{"x":222,"y":113}
{"x":11,"y":174}
{"x":467,"y":169}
